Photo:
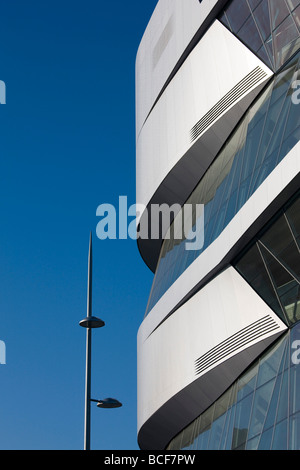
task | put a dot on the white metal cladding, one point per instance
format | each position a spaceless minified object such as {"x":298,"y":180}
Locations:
{"x":283,"y":181}
{"x":196,"y":90}
{"x":171,"y":29}
{"x":167,"y":377}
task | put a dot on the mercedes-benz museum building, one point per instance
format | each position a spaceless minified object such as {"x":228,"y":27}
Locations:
{"x":218,"y":126}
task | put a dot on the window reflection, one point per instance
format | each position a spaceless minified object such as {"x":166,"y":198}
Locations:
{"x":271,"y":264}
{"x":269,"y":27}
{"x":266,"y":418}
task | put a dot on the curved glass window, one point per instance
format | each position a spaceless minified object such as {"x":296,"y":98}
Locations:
{"x":265,"y":135}
{"x":260,"y":411}
{"x":272,"y":264}
{"x":270,"y":28}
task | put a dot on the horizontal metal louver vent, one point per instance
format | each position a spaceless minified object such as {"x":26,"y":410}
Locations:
{"x":230,"y":98}
{"x":235,"y":342}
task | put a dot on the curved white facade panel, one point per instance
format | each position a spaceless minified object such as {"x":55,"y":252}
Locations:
{"x":171,"y":29}
{"x":280,"y":178}
{"x":217,"y":127}
{"x":172,"y":366}
{"x":170,"y":133}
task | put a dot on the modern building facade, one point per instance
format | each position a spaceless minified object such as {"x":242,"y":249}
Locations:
{"x":218,"y":125}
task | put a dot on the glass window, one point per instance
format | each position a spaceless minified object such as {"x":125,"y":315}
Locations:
{"x":262,"y":18}
{"x":293,"y":215}
{"x":264,"y":55}
{"x":260,"y":407}
{"x":296,"y":16}
{"x":280,"y":276}
{"x":265,"y":440}
{"x":229,"y":433}
{"x":294,"y":389}
{"x":202,"y":439}
{"x":285,"y":41}
{"x":293,"y":3}
{"x":271,"y":416}
{"x":252,"y":268}
{"x":237,"y":13}
{"x":290,"y":298}
{"x":249,"y":33}
{"x":241,"y":424}
{"x":216,"y":433}
{"x":283,"y":401}
{"x":278,"y":11}
{"x":252,"y":444}
{"x":187,"y":437}
{"x":223,"y":19}
{"x":272,"y":22}
{"x":280,"y":436}
{"x":253,"y":3}
{"x":247,"y":383}
{"x":280,"y":241}
{"x":294,"y":434}
{"x":269,"y":365}
{"x":259,"y":420}
{"x":288,"y":143}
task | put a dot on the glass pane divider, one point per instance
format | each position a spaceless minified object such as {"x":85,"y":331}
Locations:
{"x":272,"y":283}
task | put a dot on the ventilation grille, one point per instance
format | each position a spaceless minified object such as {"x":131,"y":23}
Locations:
{"x":235,"y":342}
{"x":162,"y":42}
{"x":231,"y":97}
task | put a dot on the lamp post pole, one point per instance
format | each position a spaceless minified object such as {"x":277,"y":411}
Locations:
{"x":87,"y":418}
{"x":89,"y":323}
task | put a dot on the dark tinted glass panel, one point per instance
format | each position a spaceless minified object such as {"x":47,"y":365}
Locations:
{"x":283,"y":401}
{"x":281,"y":242}
{"x":296,"y":16}
{"x":266,"y":418}
{"x":253,"y":3}
{"x":260,"y":408}
{"x":279,"y":11}
{"x":293,"y":3}
{"x":280,"y":436}
{"x":271,"y":266}
{"x":237,"y":13}
{"x":242,"y":417}
{"x":253,"y":269}
{"x":272,"y":21}
{"x":262,"y":18}
{"x":223,"y":19}
{"x":265,"y":440}
{"x":294,"y":432}
{"x":285,"y":40}
{"x":293,"y":215}
{"x":249,"y":30}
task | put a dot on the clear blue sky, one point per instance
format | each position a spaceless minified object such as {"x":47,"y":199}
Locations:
{"x":67,"y":143}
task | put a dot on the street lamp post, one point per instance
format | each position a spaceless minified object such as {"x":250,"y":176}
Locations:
{"x":89,"y":323}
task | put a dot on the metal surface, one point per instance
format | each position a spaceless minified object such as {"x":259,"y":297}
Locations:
{"x":89,"y":322}
{"x":108,"y":403}
{"x":87,"y":420}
